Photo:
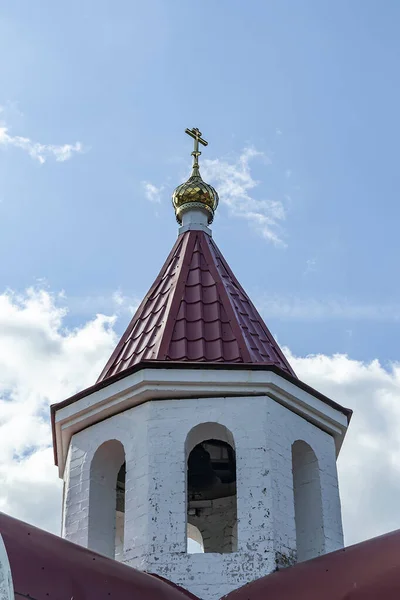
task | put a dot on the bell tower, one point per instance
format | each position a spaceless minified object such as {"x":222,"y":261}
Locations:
{"x":198,"y":454}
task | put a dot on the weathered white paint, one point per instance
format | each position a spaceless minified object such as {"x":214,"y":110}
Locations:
{"x":6,"y":582}
{"x":153,"y":384}
{"x":102,"y":514}
{"x":195,"y":219}
{"x":154,"y":435}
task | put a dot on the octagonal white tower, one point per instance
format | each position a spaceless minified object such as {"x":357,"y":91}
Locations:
{"x":198,"y":428}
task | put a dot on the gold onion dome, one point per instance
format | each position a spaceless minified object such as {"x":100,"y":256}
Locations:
{"x":195,"y":193}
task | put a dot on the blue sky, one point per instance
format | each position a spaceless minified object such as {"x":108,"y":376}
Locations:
{"x":312,"y":85}
{"x":299,"y":102}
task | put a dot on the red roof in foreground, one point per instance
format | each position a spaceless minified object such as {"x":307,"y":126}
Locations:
{"x":196,"y":311}
{"x":366,"y":571}
{"x":47,"y":567}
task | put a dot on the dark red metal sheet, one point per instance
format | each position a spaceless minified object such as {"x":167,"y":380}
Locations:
{"x":197,"y":311}
{"x":366,"y":571}
{"x":47,"y":567}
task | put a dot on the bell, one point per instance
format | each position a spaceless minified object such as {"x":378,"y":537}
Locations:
{"x":201,"y":474}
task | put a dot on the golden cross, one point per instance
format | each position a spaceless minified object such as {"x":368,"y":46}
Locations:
{"x":196,"y":135}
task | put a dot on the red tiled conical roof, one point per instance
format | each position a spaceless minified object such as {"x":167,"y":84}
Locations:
{"x":196,"y":311}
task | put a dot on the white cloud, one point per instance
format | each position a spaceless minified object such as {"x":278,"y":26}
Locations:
{"x":116,"y":303}
{"x":124,"y":304}
{"x":235,"y":183}
{"x":36,"y":150}
{"x":42,"y":361}
{"x":369,"y":463}
{"x":152,"y":192}
{"x":311,"y":309}
{"x":311,"y":266}
{"x":11,"y":109}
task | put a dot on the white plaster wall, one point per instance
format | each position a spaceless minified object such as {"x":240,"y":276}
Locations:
{"x":153,"y":436}
{"x":209,"y":575}
{"x":283,"y":429}
{"x":131,"y":430}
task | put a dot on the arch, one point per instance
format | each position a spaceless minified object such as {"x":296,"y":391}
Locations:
{"x":195,"y":544}
{"x":310,"y":539}
{"x":211,"y":486}
{"x":107,"y":499}
{"x":205,"y":431}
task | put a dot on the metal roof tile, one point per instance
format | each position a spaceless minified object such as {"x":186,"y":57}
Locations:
{"x":196,"y":350}
{"x":179,"y":332}
{"x":196,"y":310}
{"x":191,"y":312}
{"x":231,"y":351}
{"x":215,"y":350}
{"x":212,"y":312}
{"x":210,"y":294}
{"x":177,"y":350}
{"x":194,"y":330}
{"x":194,"y":277}
{"x":193,"y":293}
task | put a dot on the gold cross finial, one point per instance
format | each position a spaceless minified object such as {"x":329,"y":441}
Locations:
{"x":196,"y":135}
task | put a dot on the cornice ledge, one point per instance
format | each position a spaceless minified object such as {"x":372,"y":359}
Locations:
{"x":173,"y":384}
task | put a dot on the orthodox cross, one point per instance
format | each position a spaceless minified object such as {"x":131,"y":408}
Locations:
{"x":196,"y":135}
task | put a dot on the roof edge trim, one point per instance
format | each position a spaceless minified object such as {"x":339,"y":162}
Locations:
{"x":190,"y":366}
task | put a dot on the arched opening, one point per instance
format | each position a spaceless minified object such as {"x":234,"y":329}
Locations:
{"x":307,"y":502}
{"x":195,"y":544}
{"x":211,"y":486}
{"x":107,"y":500}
